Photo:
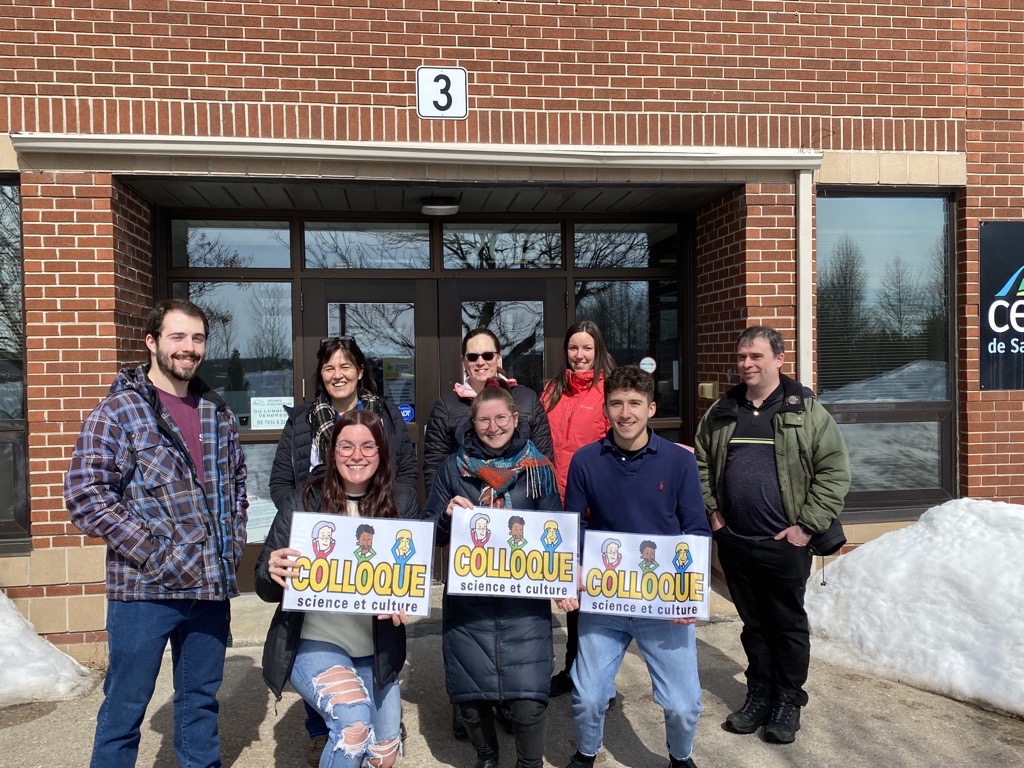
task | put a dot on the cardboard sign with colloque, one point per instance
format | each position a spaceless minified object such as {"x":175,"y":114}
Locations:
{"x":656,"y":577}
{"x":368,"y":565}
{"x":500,"y":552}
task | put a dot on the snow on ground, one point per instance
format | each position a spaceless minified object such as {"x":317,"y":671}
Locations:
{"x":31,"y":668}
{"x":936,"y":605}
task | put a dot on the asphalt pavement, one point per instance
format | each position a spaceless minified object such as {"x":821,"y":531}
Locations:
{"x":852,"y":720}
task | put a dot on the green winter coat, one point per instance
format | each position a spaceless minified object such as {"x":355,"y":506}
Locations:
{"x":811,"y":456}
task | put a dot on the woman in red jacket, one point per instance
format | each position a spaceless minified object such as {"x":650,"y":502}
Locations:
{"x":574,"y":400}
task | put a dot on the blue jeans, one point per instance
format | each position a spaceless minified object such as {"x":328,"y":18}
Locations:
{"x":137,"y":634}
{"x":364,"y":722}
{"x":670,"y":651}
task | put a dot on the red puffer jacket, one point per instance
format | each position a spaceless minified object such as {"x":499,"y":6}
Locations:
{"x":576,"y":420}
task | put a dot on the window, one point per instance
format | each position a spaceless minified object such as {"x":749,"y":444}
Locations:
{"x":503,"y":246}
{"x":884,"y":343}
{"x":14,"y":522}
{"x":345,"y":245}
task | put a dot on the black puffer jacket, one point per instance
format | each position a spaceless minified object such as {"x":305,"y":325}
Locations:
{"x":495,"y":648}
{"x":291,"y":461}
{"x":440,"y":442}
{"x":286,"y":626}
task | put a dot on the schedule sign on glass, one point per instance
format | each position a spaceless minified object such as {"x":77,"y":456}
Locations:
{"x":656,"y":577}
{"x":501,"y":552}
{"x":360,"y":564}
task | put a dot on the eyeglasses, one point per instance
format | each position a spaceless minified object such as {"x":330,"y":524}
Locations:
{"x":329,"y":339}
{"x":474,"y":356}
{"x":501,"y":421}
{"x":347,"y":449}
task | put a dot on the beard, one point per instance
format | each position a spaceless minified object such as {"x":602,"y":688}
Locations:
{"x":170,"y":367}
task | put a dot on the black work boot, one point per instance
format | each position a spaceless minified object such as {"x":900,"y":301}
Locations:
{"x":754,"y":712}
{"x":579,"y":760}
{"x":677,"y":763}
{"x":784,"y":721}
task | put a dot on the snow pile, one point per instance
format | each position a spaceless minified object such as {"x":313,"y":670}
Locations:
{"x":936,"y":605}
{"x":31,"y":668}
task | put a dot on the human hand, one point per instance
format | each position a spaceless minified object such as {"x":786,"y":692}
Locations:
{"x":795,"y":535}
{"x":716,"y":521}
{"x":396,"y":618}
{"x":685,"y":622}
{"x":458,"y":501}
{"x":282,"y":566}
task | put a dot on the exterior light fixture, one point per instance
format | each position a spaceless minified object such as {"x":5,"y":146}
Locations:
{"x":439,"y":206}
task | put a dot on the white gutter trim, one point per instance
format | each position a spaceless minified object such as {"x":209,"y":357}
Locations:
{"x":578,"y":156}
{"x":804,"y":280}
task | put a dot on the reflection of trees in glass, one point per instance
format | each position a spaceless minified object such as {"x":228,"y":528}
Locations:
{"x":204,"y":251}
{"x":860,"y":337}
{"x":235,"y":380}
{"x":379,"y":329}
{"x":612,"y":249}
{"x":367,"y":249}
{"x":269,"y":314}
{"x":621,"y":310}
{"x":501,"y":250}
{"x":12,"y":321}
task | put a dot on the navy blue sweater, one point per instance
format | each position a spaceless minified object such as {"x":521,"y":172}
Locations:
{"x":657,"y":491}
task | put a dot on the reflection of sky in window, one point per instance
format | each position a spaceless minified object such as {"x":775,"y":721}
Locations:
{"x":884,"y":228}
{"x":265,"y":243}
{"x":244,"y":301}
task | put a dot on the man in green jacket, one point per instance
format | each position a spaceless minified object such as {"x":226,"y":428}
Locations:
{"x":774,"y":469}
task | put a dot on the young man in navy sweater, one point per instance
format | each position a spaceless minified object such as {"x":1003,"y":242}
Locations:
{"x":633,"y":481}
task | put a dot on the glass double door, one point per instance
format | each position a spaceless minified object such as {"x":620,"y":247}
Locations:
{"x":411,"y":331}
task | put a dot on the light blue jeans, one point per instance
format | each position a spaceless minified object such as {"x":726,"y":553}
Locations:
{"x":364,"y":722}
{"x":670,"y":651}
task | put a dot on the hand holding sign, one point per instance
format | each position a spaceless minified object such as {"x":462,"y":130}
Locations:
{"x":282,"y":566}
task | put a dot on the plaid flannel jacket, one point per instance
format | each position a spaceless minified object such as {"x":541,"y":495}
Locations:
{"x":132,"y":483}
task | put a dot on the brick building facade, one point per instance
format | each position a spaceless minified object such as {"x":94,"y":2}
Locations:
{"x":117,"y":121}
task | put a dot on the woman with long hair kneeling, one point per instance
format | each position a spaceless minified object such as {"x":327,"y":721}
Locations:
{"x":344,"y":665}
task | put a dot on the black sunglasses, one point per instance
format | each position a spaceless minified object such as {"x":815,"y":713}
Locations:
{"x":474,"y":356}
{"x":329,"y":339}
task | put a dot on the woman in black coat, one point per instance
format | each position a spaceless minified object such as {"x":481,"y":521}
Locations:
{"x":496,"y":649}
{"x":481,"y":361}
{"x":342,"y":382}
{"x":364,"y":653}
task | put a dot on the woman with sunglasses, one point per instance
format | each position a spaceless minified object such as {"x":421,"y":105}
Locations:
{"x":481,"y":362}
{"x":345,"y":666}
{"x":497,"y":650}
{"x":574,"y":400}
{"x":342,"y":384}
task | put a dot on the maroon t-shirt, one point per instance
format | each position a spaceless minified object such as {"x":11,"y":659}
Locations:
{"x":185,"y":415}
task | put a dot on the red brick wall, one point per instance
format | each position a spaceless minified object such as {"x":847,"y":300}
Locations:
{"x":991,"y":435}
{"x":765,"y":73}
{"x":746,"y":267}
{"x":88,"y":283}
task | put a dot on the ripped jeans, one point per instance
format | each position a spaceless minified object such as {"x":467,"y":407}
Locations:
{"x":364,"y":723}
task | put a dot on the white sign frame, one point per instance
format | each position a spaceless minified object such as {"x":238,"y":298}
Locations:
{"x":366,"y":583}
{"x":630,"y":585}
{"x":442,"y":93}
{"x":269,"y":412}
{"x":499,"y":566}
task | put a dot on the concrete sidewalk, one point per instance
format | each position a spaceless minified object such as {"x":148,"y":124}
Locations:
{"x":852,"y":721}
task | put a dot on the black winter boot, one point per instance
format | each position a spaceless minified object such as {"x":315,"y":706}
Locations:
{"x":784,"y":721}
{"x":755,"y":710}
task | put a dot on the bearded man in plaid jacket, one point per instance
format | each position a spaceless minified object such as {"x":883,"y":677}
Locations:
{"x":158,"y":473}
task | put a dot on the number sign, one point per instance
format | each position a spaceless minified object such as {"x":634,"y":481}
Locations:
{"x":441,"y":93}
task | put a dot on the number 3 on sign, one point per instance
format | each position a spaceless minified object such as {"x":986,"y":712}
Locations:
{"x":441,"y":93}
